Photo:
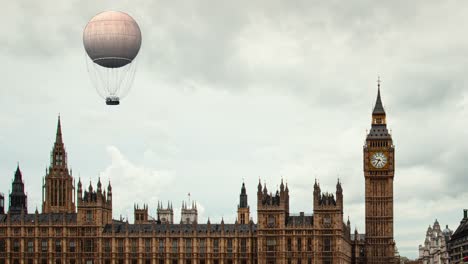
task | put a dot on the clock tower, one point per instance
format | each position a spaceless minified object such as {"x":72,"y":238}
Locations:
{"x":379,"y":168}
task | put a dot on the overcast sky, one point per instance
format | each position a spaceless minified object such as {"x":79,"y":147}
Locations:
{"x":227,"y":91}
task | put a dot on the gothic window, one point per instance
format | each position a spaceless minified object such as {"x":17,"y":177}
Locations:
{"x":216,"y":245}
{"x":58,"y":245}
{"x":229,"y":247}
{"x":299,"y":244}
{"x":326,"y":244}
{"x":107,"y":245}
{"x":188,"y":245}
{"x":289,"y":245}
{"x":271,"y":244}
{"x":134,"y":245}
{"x":120,"y":247}
{"x":148,"y":245}
{"x":72,"y":246}
{"x":202,"y":245}
{"x":31,"y":246}
{"x":243,"y":245}
{"x":89,"y":245}
{"x":174,"y":245}
{"x":89,"y":216}
{"x":44,"y":245}
{"x":309,"y":244}
{"x":16,"y":245}
{"x":2,"y":245}
{"x":161,"y":246}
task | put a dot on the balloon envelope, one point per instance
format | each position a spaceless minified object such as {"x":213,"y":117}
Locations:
{"x":112,"y":39}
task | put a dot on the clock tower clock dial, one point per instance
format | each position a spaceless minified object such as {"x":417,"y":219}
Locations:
{"x":378,"y":174}
{"x":378,"y":160}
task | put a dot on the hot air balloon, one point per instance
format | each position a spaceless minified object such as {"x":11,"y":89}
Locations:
{"x":112,"y":40}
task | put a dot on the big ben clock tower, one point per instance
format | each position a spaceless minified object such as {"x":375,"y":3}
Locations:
{"x":379,"y":169}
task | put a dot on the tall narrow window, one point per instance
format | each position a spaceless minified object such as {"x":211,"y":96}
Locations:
{"x":58,"y":245}
{"x":174,"y":246}
{"x":107,"y":246}
{"x":216,"y":245}
{"x":2,"y":245}
{"x":326,"y":244}
{"x":31,"y":246}
{"x":16,"y":245}
{"x":72,"y":246}
{"x":134,"y":245}
{"x":188,"y":246}
{"x":161,"y":245}
{"x":148,"y":245}
{"x":44,"y":245}
{"x":120,"y":247}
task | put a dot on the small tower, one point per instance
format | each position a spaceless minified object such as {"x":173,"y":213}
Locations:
{"x":94,"y":207}
{"x":243,"y":209}
{"x":18,"y":198}
{"x":165,"y":215}
{"x":2,"y":203}
{"x":141,"y":214}
{"x":274,"y":207}
{"x":189,"y":213}
{"x":328,"y":221}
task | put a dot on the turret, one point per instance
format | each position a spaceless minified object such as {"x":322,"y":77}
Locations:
{"x":18,"y":198}
{"x":339,"y":195}
{"x":165,"y":215}
{"x":80,"y":189}
{"x":141,"y":214}
{"x":243,"y":210}
{"x":94,"y":207}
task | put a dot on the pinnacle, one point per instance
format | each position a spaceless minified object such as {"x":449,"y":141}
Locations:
{"x":378,"y":108}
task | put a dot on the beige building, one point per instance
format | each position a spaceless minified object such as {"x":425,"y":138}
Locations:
{"x":76,"y":224}
{"x":435,"y":250}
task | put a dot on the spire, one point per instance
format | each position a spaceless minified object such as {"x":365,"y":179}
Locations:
{"x":58,"y":137}
{"x":18,"y":175}
{"x":378,"y":108}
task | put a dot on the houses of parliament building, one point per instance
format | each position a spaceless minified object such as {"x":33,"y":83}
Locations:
{"x":75,"y":224}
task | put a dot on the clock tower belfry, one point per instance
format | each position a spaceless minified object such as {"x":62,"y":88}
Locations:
{"x":379,"y":168}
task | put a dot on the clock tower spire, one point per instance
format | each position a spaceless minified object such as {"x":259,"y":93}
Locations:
{"x":379,"y":173}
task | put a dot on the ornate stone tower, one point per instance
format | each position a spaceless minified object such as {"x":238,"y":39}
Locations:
{"x":94,"y":207}
{"x":141,"y":214}
{"x":329,"y":226}
{"x":243,"y":210}
{"x":18,"y":199}
{"x":272,"y":214}
{"x":58,"y":190}
{"x":165,"y":215}
{"x":379,"y":168}
{"x":189,"y":214}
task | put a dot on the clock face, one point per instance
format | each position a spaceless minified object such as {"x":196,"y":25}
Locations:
{"x":378,"y":160}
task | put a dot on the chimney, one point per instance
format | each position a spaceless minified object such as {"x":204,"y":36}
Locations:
{"x":465,"y":213}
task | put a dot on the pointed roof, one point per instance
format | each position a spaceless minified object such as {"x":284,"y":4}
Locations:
{"x":378,"y":108}
{"x":243,"y":190}
{"x":58,"y":137}
{"x":18,"y":175}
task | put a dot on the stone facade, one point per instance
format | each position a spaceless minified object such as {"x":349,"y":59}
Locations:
{"x":458,"y":244}
{"x":87,"y":233}
{"x":435,"y":250}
